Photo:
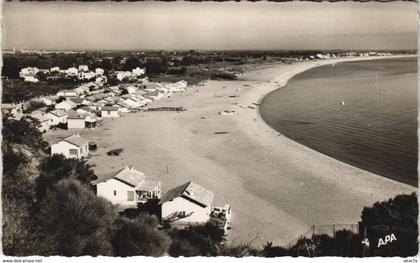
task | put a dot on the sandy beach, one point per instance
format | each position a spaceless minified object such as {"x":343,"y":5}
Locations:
{"x":277,"y":188}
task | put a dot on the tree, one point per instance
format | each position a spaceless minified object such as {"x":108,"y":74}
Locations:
{"x":197,"y":240}
{"x":139,"y":237}
{"x":57,"y":167}
{"x":72,"y":221}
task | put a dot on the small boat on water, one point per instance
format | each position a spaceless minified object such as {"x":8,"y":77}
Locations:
{"x":343,"y":103}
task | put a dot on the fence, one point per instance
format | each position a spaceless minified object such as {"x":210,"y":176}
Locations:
{"x":329,"y":230}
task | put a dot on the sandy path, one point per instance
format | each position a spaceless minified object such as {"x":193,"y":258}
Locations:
{"x":277,"y":188}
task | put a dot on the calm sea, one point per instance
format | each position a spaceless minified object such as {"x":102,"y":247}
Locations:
{"x":362,"y":113}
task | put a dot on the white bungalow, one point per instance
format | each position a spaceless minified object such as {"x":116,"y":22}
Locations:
{"x":125,"y":108}
{"x":110,"y":111}
{"x":99,"y":72}
{"x":138,"y":71}
{"x":65,"y":105}
{"x":55,"y":69}
{"x":71,"y":147}
{"x":83,"y":68}
{"x":85,"y":110}
{"x":187,"y":204}
{"x":127,"y":187}
{"x":68,"y":93}
{"x":48,"y":100}
{"x":131,"y":89}
{"x":71,"y":72}
{"x":92,"y":121}
{"x":31,"y":79}
{"x":29,"y":71}
{"x":75,"y":120}
{"x":57,"y":116}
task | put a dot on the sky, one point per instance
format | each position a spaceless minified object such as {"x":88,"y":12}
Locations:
{"x":209,"y":25}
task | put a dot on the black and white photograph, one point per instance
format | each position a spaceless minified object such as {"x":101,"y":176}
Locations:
{"x":168,"y":129}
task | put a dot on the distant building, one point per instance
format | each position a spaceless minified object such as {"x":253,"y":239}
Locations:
{"x":30,"y":79}
{"x":110,"y":111}
{"x":65,"y":105}
{"x":71,"y":72}
{"x":138,"y":71}
{"x":68,"y":93}
{"x":57,"y":116}
{"x":28,"y":72}
{"x":55,"y":69}
{"x":83,"y":68}
{"x":99,"y":71}
{"x":71,"y":147}
{"x":76,"y":120}
{"x":186,"y":204}
{"x":127,"y":187}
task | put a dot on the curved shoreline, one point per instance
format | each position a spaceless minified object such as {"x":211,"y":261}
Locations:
{"x":284,"y":82}
{"x":276,"y":187}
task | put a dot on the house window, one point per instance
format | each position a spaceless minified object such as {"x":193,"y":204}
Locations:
{"x":73,"y":151}
{"x":115,"y":192}
{"x":130,"y":195}
{"x":109,"y":112}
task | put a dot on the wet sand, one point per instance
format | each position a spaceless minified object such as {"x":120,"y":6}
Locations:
{"x":277,"y":188}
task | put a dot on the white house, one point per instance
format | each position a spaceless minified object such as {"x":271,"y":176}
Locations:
{"x":92,"y":121}
{"x":99,"y":71}
{"x":57,"y":116}
{"x":83,"y":68}
{"x":127,"y":187}
{"x":125,"y":108}
{"x":138,"y":71}
{"x":131,"y":89}
{"x":72,"y":71}
{"x":65,"y":105}
{"x":123,"y":74}
{"x":30,"y":79}
{"x":101,"y":80}
{"x":110,"y":111}
{"x":85,"y":110}
{"x":55,"y":69}
{"x":29,"y":71}
{"x":86,"y":75}
{"x":68,"y":93}
{"x":75,"y":120}
{"x":48,"y":100}
{"x":71,"y":147}
{"x":187,"y":204}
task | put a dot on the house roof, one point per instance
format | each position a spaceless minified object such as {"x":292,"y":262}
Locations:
{"x":68,"y":102}
{"x":191,"y":191}
{"x":58,"y":113}
{"x":75,"y":139}
{"x":86,"y":108}
{"x":127,"y":175}
{"x":75,"y":115}
{"x":109,"y":108}
{"x":147,"y":185}
{"x":76,"y":100}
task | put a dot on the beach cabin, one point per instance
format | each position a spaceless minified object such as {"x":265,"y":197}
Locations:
{"x":57,"y":116}
{"x":127,"y":187}
{"x":71,"y":72}
{"x":110,"y":111}
{"x":68,"y":93}
{"x":187,"y":204}
{"x":92,"y":121}
{"x":65,"y":105}
{"x":71,"y":147}
{"x":75,"y":120}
